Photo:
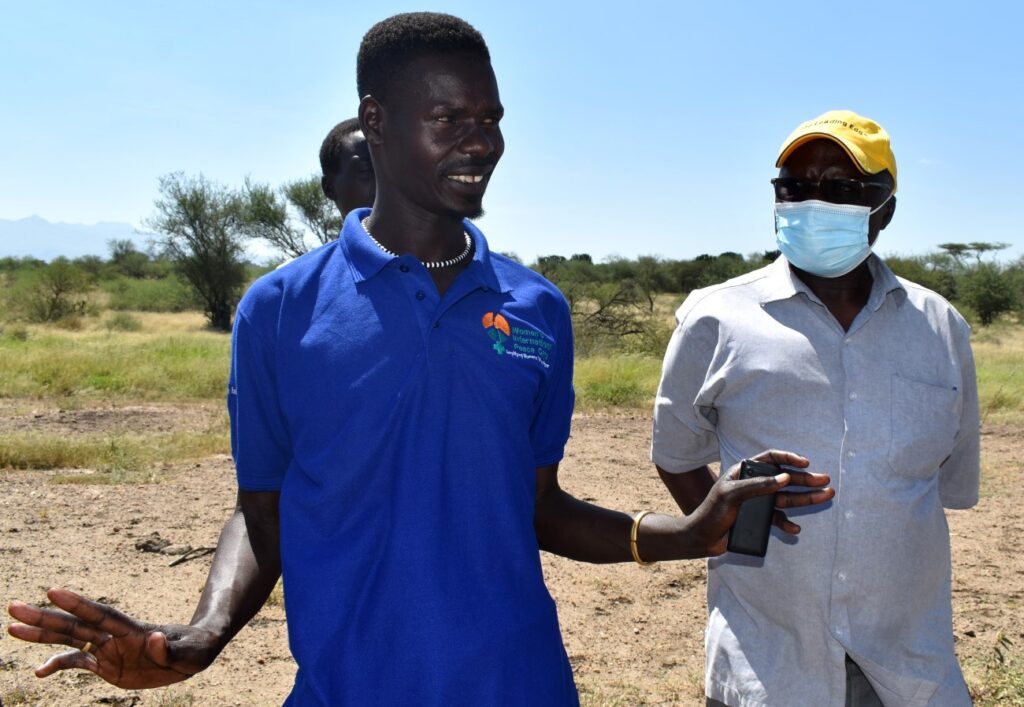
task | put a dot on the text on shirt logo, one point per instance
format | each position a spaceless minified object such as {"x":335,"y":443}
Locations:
{"x":516,"y":341}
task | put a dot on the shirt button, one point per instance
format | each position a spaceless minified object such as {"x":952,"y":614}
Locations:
{"x":848,"y":515}
{"x":853,"y":396}
{"x":437,"y":325}
{"x":851,"y":453}
{"x":841,"y":576}
{"x":403,"y":268}
{"x":420,"y":295}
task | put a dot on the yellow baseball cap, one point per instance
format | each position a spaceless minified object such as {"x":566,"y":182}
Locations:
{"x":864,"y":140}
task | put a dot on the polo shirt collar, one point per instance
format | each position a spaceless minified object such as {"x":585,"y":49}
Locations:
{"x":782,"y":283}
{"x":366,"y":259}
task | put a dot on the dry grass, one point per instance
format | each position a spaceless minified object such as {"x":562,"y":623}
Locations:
{"x":172,"y":357}
{"x":997,"y":680}
{"x":999,"y":352}
{"x":112,"y":458}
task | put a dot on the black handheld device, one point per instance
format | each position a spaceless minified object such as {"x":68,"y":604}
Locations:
{"x":749,"y":535}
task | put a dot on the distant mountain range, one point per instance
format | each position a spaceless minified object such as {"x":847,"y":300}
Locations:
{"x":35,"y":236}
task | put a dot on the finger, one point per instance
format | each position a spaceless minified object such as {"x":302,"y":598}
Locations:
{"x":780,"y":521}
{"x":778,"y":456}
{"x":743,"y":489}
{"x":157,"y":648}
{"x":26,"y":613}
{"x":34,"y":634}
{"x":56,"y":621}
{"x":100,"y":615}
{"x":796,"y":499}
{"x":66,"y":661}
{"x":806,"y":478}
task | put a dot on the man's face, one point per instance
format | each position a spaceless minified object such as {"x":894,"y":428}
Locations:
{"x":823,"y":160}
{"x":441,"y":139}
{"x":353,"y":185}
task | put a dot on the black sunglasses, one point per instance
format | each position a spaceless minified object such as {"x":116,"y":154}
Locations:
{"x":836,"y":191}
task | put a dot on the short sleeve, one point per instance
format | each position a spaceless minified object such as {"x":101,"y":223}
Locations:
{"x":685,"y":436}
{"x":959,"y":474}
{"x":552,"y":420}
{"x":260,"y":443}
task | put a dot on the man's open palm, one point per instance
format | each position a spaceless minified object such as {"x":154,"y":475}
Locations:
{"x":124,"y":652}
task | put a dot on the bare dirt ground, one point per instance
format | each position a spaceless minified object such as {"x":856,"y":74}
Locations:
{"x":634,"y":635}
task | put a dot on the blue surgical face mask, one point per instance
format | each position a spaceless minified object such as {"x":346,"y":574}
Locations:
{"x":822,"y":238}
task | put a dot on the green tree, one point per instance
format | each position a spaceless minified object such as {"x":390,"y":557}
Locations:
{"x":923,"y":271}
{"x":126,"y":259}
{"x":982,"y":247}
{"x":201,"y":227}
{"x":317,"y":213}
{"x":957,"y":251}
{"x":988,"y":291}
{"x":57,"y":291}
{"x":265,"y":214}
{"x":283,"y":218}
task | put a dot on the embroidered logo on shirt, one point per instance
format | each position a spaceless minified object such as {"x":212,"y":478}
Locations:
{"x":498,"y":329}
{"x":517,"y":341}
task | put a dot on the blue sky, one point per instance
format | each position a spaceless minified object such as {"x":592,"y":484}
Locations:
{"x":647,"y":130}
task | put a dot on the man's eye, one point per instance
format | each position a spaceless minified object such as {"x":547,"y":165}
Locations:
{"x":445,"y":119}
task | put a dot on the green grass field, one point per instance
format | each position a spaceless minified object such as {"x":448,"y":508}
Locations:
{"x":173,"y":358}
{"x":170,"y":358}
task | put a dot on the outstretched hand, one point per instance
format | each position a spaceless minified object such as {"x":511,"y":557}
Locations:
{"x":717,"y":513}
{"x":125,"y":652}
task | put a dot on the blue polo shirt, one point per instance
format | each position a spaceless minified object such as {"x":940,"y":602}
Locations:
{"x":403,"y":429}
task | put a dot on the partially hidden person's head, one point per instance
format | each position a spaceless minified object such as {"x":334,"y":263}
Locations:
{"x":834,"y":193}
{"x":348,"y":178}
{"x":430,"y":111}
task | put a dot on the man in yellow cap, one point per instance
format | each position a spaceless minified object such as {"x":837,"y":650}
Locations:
{"x":871,"y":378}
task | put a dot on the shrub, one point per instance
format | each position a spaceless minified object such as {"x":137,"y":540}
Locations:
{"x":123,"y":321}
{"x":17,"y":333}
{"x":53,"y":293}
{"x":168,"y":294}
{"x":988,"y":292}
{"x":72,"y":322}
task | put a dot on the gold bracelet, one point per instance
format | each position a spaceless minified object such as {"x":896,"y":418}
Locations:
{"x":632,"y":537}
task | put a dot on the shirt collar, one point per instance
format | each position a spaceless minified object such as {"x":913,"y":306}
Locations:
{"x":366,"y":258}
{"x":782,"y":283}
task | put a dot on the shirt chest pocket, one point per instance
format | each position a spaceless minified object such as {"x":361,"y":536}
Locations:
{"x":924,"y":425}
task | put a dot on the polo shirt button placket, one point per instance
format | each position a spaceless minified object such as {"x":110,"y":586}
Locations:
{"x":403,"y":268}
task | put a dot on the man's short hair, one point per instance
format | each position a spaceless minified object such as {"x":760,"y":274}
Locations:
{"x":333,"y":150}
{"x":392,"y":44}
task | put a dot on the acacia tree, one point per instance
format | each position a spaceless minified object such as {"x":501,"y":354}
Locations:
{"x":200,"y":226}
{"x":316,"y":211}
{"x":989,"y":290}
{"x":271,"y":215}
{"x":266,"y":217}
{"x":59,"y":291}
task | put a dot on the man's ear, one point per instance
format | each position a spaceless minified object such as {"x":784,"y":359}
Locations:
{"x":371,"y":120}
{"x":887,"y":213}
{"x":326,"y":185}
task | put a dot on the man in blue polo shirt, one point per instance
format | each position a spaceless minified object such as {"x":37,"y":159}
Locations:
{"x":400,"y":399}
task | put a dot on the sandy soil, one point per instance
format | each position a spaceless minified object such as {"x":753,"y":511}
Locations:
{"x":635,"y":636}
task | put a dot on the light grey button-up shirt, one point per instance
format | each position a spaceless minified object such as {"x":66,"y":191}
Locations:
{"x":890,"y":410}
